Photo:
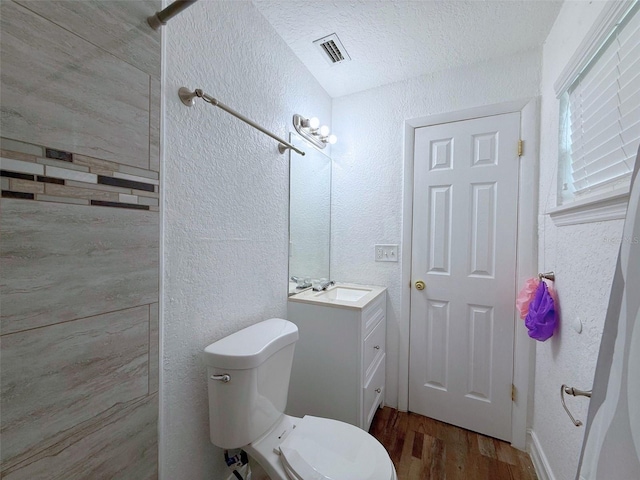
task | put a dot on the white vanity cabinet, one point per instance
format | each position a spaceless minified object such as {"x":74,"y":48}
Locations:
{"x":339,"y":361}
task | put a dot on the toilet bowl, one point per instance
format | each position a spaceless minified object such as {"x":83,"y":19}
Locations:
{"x":248,"y":380}
{"x":314,"y":448}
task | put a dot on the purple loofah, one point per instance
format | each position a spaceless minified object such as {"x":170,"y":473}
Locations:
{"x":542,"y":317}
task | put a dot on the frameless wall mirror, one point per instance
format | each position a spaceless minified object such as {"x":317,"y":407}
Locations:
{"x":309,"y":214}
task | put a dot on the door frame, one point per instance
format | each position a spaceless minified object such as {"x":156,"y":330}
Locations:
{"x":527,"y":250}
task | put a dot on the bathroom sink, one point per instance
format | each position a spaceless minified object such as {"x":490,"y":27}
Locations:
{"x":344,"y":294}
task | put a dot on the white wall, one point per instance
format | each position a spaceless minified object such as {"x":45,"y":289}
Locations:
{"x":225,"y":205}
{"x":584,"y":261}
{"x":368,"y":169}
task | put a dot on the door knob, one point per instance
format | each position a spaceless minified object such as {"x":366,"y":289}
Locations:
{"x":420,"y":285}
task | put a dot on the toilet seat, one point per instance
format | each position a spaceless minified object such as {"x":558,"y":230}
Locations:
{"x":324,"y":449}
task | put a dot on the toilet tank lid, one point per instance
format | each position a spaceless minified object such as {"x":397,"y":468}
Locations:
{"x":251,"y":346}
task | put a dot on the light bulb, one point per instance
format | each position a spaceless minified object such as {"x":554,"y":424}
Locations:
{"x":332,"y":139}
{"x":324,"y":130}
{"x":314,"y":122}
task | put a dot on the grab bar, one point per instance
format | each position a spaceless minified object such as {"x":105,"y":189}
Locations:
{"x":575,"y":392}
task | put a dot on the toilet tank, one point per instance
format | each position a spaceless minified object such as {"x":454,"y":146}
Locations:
{"x":258,"y":362}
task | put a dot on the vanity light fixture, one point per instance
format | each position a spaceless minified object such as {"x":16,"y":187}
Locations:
{"x":310,"y":130}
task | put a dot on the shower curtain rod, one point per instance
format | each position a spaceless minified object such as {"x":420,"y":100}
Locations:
{"x":188,"y":98}
{"x":160,"y":18}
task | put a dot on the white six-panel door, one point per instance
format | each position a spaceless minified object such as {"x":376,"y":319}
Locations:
{"x":464,"y":249}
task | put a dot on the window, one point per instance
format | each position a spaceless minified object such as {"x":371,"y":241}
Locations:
{"x":600,"y":116}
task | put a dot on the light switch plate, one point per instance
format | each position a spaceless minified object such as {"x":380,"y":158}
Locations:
{"x":386,"y":253}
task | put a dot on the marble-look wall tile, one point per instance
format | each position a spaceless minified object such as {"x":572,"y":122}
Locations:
{"x":63,"y":262}
{"x":154,"y":125}
{"x":80,"y":100}
{"x":154,"y":347}
{"x":119,"y":27}
{"x":57,"y":377}
{"x":61,"y":91}
{"x":120,"y":443}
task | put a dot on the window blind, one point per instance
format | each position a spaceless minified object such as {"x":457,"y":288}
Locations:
{"x":604,"y":109}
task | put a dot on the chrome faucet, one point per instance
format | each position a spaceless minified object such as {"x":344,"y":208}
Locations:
{"x":323,"y":285}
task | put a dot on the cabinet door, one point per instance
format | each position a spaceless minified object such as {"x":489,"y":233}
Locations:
{"x":373,"y":349}
{"x":373,"y":394}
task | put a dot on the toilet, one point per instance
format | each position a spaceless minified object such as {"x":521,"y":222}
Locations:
{"x":248,"y":381}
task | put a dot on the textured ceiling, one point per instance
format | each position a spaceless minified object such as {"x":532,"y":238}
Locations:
{"x":390,"y":40}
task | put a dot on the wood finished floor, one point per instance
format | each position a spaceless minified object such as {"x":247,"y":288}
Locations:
{"x":425,"y":449}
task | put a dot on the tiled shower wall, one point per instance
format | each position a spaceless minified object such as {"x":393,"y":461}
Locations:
{"x":79,"y":241}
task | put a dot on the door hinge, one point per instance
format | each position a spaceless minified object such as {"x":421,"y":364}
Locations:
{"x":520,"y":146}
{"x":513,"y":392}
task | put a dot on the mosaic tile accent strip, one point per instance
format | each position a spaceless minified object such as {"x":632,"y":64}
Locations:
{"x":58,"y":154}
{"x":66,"y":177}
{"x":62,"y":164}
{"x":57,"y":181}
{"x":21,"y":147}
{"x":25,"y":186}
{"x":22,"y":176}
{"x":136,"y":178}
{"x":121,"y":182}
{"x":21,"y":166}
{"x":100,"y":203}
{"x":24,"y":196}
{"x":138,"y":171}
{"x":56,"y":199}
{"x":67,"y":174}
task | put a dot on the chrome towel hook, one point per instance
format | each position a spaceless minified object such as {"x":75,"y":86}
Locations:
{"x":575,"y":392}
{"x":549,"y":276}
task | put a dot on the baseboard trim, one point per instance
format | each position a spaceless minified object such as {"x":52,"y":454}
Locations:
{"x":538,"y":458}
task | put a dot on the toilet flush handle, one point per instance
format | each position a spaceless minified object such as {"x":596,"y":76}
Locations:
{"x":226,"y":378}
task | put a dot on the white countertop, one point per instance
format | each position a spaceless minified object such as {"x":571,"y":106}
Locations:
{"x":339,"y":295}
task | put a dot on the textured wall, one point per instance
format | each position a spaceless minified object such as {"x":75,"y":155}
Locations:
{"x":80,"y":239}
{"x":226,"y":201}
{"x":368,"y":166}
{"x":583,"y":257}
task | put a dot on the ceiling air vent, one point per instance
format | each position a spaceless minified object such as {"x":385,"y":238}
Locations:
{"x":332,"y":49}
